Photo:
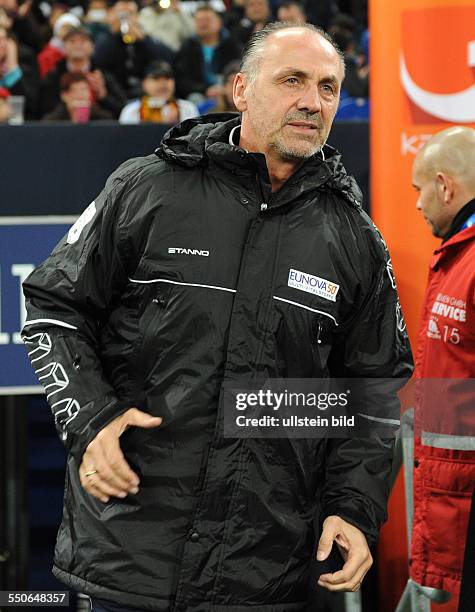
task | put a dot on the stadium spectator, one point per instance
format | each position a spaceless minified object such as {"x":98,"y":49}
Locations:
{"x":320,"y":12}
{"x":19,"y":72}
{"x":126,"y":51}
{"x":344,"y":24}
{"x":291,"y":12}
{"x":202,"y":58}
{"x":78,"y":48}
{"x":5,"y":109}
{"x":53,"y":53}
{"x":23,"y":25}
{"x":170,"y":26}
{"x":356,"y":82}
{"x":76,"y":105}
{"x":95,"y":20}
{"x":158,"y":104}
{"x":358,"y":9}
{"x":225,"y":102}
{"x":256,"y":15}
{"x":234,"y":14}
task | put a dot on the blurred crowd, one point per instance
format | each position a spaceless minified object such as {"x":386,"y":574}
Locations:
{"x":159,"y":61}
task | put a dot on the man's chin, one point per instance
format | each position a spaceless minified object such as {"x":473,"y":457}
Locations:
{"x":297,"y":150}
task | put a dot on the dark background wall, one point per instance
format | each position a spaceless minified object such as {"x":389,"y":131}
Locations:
{"x":46,"y":170}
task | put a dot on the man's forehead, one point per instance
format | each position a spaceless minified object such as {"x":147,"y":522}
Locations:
{"x":300,"y":47}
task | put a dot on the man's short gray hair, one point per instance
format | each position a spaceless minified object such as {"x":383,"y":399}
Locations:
{"x":253,"y":51}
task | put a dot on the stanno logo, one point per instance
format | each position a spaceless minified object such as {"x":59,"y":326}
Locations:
{"x":178,"y":251}
{"x":313,"y":284}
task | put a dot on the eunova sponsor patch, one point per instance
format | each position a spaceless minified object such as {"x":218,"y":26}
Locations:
{"x":313,"y":284}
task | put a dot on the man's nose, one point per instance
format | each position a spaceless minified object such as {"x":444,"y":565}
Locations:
{"x":310,"y":100}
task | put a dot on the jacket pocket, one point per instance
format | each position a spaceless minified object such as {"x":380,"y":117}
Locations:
{"x":447,"y":498}
{"x":149,"y":323}
{"x":322,"y":340}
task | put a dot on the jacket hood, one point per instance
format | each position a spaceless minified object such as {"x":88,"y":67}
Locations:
{"x":197,"y":141}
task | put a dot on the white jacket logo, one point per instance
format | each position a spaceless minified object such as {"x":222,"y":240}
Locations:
{"x":178,"y":251}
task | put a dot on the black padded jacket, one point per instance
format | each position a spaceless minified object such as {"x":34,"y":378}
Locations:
{"x":172,"y":283}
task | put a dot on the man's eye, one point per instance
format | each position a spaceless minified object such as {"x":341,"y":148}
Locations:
{"x":327,"y":88}
{"x":292,"y":81}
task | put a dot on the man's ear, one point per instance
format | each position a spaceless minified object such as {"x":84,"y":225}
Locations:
{"x":240,"y":86}
{"x":445,"y":187}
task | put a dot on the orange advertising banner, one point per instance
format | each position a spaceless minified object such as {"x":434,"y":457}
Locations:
{"x":422,"y":81}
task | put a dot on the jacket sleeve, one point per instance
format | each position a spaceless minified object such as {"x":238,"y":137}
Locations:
{"x":67,"y":300}
{"x":374,"y":345}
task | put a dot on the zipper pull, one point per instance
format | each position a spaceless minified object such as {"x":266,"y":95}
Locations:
{"x":319,"y":331}
{"x":263,"y":206}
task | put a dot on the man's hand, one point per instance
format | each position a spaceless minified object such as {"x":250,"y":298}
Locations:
{"x":104,"y":472}
{"x":97,"y":84}
{"x":354,"y":550}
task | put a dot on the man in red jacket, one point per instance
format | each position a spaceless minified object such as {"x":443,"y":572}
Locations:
{"x":444,"y":467}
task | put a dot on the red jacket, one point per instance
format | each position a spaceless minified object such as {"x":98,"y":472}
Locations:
{"x":444,"y":467}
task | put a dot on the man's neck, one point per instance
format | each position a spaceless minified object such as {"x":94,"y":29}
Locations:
{"x":464,"y":212}
{"x":210,"y":41}
{"x":78,"y":65}
{"x":280,"y":170}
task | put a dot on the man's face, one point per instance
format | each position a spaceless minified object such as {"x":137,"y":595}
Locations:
{"x":123,"y":7}
{"x":290,"y":107}
{"x":207,"y":23}
{"x":78,"y":47}
{"x":291,"y":14}
{"x":257,"y":10}
{"x":161,"y":87}
{"x":430,"y":201}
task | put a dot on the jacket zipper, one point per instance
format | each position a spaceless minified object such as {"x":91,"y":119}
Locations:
{"x":260,"y":196}
{"x":318,"y":339}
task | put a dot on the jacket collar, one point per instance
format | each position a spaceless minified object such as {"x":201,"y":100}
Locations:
{"x":443,"y":250}
{"x":463,"y":214}
{"x":205,"y":141}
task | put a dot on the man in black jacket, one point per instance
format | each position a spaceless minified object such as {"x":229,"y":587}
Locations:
{"x":181,"y":279}
{"x":202,"y":58}
{"x":126,"y":51}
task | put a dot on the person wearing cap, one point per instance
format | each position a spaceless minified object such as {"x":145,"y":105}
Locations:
{"x":158,"y":104}
{"x":79,"y":49}
{"x":53,"y":53}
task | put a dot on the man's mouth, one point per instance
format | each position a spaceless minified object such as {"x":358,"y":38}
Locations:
{"x":304,"y":125}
